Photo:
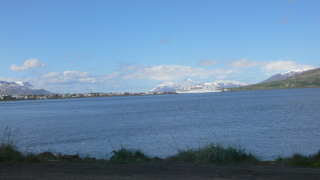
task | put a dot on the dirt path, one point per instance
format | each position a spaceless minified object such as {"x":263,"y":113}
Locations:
{"x":152,"y":170}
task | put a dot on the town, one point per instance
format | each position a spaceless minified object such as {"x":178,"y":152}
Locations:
{"x":74,"y":95}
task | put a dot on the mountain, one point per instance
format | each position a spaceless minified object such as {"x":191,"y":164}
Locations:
{"x":286,"y":75}
{"x":187,"y":83}
{"x":306,"y":79}
{"x":20,"y":88}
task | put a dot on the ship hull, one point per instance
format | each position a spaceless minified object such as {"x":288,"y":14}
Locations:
{"x":197,"y":91}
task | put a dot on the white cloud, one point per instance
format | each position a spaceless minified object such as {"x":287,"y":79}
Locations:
{"x":28,"y":64}
{"x":269,"y":67}
{"x":129,"y":75}
{"x":75,"y":74}
{"x":169,"y":72}
{"x":245,"y":63}
{"x":67,"y":77}
{"x":279,"y":66}
{"x":52,"y":75}
{"x":205,"y":62}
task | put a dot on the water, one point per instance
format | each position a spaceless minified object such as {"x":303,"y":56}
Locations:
{"x":268,"y":123}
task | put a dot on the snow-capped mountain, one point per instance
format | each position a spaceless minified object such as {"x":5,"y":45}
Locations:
{"x":20,"y":88}
{"x":286,"y":75}
{"x":187,"y":83}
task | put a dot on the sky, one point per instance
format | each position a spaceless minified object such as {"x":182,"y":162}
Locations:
{"x":74,"y":46}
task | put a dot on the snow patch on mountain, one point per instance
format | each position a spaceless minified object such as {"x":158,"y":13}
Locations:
{"x":187,"y":83}
{"x":20,"y":88}
{"x":295,"y":72}
{"x":286,"y":75}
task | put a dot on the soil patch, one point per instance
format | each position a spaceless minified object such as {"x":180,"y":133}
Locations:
{"x":152,"y":170}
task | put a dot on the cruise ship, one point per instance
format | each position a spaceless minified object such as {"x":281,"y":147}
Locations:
{"x":198,"y":89}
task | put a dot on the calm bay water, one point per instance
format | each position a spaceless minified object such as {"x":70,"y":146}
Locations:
{"x":266,"y":122}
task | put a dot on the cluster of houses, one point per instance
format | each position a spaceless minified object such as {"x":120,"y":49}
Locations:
{"x":75,"y":95}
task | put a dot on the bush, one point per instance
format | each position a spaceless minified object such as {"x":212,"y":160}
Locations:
{"x":127,"y":156}
{"x":297,"y":159}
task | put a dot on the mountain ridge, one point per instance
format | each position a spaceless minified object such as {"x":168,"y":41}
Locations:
{"x":306,"y":79}
{"x":20,"y":88}
{"x":286,"y":75}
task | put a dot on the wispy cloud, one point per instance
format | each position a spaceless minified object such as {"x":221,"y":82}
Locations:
{"x":170,"y":72}
{"x":286,"y":18}
{"x":87,"y":57}
{"x":66,"y":55}
{"x":165,"y":40}
{"x":205,"y":62}
{"x":279,"y":66}
{"x":318,"y":18}
{"x":67,"y":77}
{"x":79,"y":55}
{"x":128,"y":75}
{"x":28,"y":64}
{"x":269,"y":67}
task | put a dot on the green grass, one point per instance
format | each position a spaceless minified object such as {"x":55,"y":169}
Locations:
{"x":209,"y":153}
{"x":297,"y":159}
{"x":125,"y":155}
{"x":9,"y":152}
{"x":217,"y":154}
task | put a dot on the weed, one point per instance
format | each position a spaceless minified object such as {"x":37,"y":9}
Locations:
{"x":212,"y":153}
{"x":8,"y":151}
{"x":301,"y":160}
{"x":125,"y":155}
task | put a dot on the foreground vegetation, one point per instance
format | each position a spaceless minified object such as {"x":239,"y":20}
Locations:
{"x":209,"y":153}
{"x":312,"y":161}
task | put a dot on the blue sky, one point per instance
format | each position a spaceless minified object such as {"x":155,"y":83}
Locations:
{"x":119,"y":46}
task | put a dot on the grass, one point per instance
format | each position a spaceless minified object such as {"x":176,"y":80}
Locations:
{"x":125,"y":155}
{"x":217,"y":154}
{"x":9,"y":152}
{"x":209,"y":153}
{"x":297,"y":159}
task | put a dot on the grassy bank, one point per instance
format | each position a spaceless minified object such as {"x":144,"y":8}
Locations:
{"x":209,"y":153}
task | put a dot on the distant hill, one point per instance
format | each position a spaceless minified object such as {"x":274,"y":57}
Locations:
{"x":286,"y":75}
{"x":20,"y":88}
{"x":306,"y":79}
{"x":187,"y":83}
